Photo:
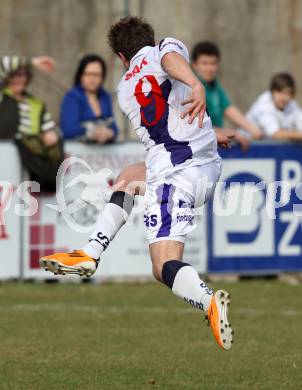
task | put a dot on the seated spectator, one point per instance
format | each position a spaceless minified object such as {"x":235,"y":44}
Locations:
{"x":276,"y":112}
{"x":24,"y":118}
{"x":205,"y":62}
{"x":86,"y":110}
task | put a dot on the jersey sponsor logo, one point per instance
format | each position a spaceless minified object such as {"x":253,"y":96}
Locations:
{"x":136,"y":70}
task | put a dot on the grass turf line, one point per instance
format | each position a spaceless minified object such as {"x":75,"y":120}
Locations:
{"x":140,"y":336}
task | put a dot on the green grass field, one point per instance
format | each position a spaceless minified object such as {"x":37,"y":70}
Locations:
{"x":132,"y":336}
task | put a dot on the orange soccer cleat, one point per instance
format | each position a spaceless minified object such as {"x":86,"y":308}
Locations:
{"x":76,"y":262}
{"x":218,"y":321}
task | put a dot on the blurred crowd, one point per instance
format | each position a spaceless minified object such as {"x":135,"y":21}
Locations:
{"x":86,"y":114}
{"x":86,"y":111}
{"x":275,"y":113}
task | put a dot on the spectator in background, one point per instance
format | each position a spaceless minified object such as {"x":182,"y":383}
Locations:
{"x":276,"y":112}
{"x":205,"y":62}
{"x":86,"y":110}
{"x":20,"y":112}
{"x":24,"y":118}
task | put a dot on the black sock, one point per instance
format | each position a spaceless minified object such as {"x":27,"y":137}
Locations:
{"x":123,"y":199}
{"x":169,"y":271}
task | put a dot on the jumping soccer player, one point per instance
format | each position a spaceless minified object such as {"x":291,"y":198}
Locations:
{"x":182,"y":167}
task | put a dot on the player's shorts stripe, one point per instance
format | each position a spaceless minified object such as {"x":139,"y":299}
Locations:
{"x":165,"y":196}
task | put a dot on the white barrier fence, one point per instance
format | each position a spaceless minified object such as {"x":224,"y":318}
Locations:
{"x":10,"y":223}
{"x":24,"y":239}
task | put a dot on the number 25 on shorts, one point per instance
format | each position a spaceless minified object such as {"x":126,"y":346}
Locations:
{"x":150,"y":221}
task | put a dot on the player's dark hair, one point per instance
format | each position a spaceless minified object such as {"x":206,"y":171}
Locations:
{"x":281,"y":81}
{"x":205,"y":48}
{"x":86,"y":60}
{"x":129,"y":35}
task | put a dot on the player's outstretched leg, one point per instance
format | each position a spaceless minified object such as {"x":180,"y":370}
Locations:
{"x":84,"y":262}
{"x":184,"y":282}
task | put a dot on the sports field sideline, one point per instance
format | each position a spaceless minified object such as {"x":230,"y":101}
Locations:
{"x":139,"y":336}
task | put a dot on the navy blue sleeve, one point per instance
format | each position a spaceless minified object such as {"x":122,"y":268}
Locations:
{"x":70,"y":122}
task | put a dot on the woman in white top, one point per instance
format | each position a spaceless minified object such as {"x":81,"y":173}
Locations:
{"x":276,"y":112}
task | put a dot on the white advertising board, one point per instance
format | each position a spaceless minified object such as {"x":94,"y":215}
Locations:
{"x":10,"y":222}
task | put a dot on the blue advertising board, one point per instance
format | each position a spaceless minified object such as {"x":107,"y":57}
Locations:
{"x":254,"y":221}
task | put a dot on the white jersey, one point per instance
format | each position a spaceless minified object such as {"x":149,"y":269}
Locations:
{"x":151,"y":99}
{"x":269,"y":119}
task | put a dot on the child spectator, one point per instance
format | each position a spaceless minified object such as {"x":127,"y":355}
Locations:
{"x":86,"y":110}
{"x":276,"y":112}
{"x":205,"y":62}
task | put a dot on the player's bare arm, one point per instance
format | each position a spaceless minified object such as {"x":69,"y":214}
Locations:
{"x":179,"y":69}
